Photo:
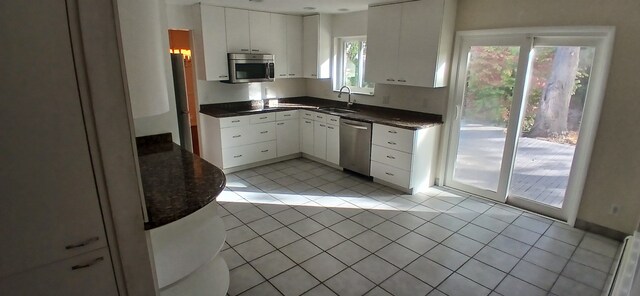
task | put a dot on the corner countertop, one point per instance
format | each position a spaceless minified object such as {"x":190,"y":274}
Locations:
{"x":388,"y":116}
{"x":175,"y":181}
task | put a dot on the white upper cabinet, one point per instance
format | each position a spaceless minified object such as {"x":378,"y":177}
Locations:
{"x":294,"y":46}
{"x":237,"y":27}
{"x":248,"y":31}
{"x":279,"y":34}
{"x":260,"y":32}
{"x":317,"y":46}
{"x":210,"y":43}
{"x":383,"y":42}
{"x":410,"y":43}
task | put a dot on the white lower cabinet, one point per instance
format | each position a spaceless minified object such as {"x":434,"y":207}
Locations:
{"x":320,"y":140}
{"x":87,"y":274}
{"x":404,"y":158}
{"x":287,"y":137}
{"x":333,"y":144}
{"x":306,"y":136}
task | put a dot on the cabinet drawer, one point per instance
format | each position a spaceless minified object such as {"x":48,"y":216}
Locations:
{"x":241,"y":155}
{"x":286,"y":115}
{"x":87,"y":274}
{"x":390,"y":174}
{"x":333,"y":119}
{"x":243,"y":135}
{"x":393,"y":137}
{"x":264,"y":117}
{"x":234,"y":121}
{"x":394,"y":158}
{"x":308,"y":114}
{"x":319,"y":117}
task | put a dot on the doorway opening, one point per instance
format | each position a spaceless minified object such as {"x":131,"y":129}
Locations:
{"x":524,"y":111}
{"x":180,"y":43}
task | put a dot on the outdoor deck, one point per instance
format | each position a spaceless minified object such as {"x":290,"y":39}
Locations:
{"x":541,"y":170}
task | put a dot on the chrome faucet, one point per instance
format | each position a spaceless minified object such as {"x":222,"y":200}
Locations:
{"x":349,"y":103}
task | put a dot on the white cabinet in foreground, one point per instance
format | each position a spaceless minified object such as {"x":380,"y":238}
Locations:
{"x":404,"y":158}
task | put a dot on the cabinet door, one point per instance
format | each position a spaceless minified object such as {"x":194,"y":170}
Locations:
{"x":383,"y":38}
{"x":419,"y":37}
{"x":310,"y":46}
{"x":333,"y":144}
{"x":260,"y":32}
{"x":87,"y":274}
{"x":237,"y":28}
{"x":306,"y":136}
{"x":49,"y":204}
{"x":287,"y":137}
{"x":211,"y":44}
{"x":320,"y":140}
{"x":279,"y":33}
{"x":294,"y":46}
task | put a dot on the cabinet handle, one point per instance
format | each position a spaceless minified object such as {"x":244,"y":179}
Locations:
{"x":390,"y":174}
{"x":333,"y":119}
{"x":392,"y":143}
{"x":265,"y":151}
{"x":392,"y":132}
{"x":264,"y":132}
{"x":237,"y":136}
{"x":330,"y":127}
{"x":322,"y":125}
{"x":244,"y":49}
{"x":287,"y":115}
{"x":307,"y":121}
{"x":282,"y":75}
{"x":292,"y":74}
{"x":82,"y":243}
{"x":401,"y":80}
{"x":280,"y":123}
{"x":389,"y":79}
{"x":93,"y":262}
{"x":314,"y":75}
{"x":390,"y":157}
{"x":265,"y":117}
{"x":223,"y":76}
{"x":255,"y":50}
{"x":318,"y":116}
{"x":235,"y":121}
{"x":236,"y":156}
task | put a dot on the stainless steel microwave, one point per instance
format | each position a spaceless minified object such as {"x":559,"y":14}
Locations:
{"x":251,"y":67}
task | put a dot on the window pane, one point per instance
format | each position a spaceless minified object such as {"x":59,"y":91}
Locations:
{"x":351,"y":67}
{"x":365,"y":84}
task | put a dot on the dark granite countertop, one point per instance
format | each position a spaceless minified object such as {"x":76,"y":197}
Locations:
{"x":176,"y":182}
{"x":389,"y":116}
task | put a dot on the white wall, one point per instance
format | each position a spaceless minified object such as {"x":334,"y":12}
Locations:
{"x":168,"y":121}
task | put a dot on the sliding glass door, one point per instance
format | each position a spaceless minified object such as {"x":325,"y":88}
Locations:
{"x":518,"y":113}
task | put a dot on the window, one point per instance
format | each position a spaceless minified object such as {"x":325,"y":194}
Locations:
{"x":350,"y":65}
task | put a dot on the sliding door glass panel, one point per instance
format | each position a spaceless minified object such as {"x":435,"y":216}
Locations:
{"x":484,"y":115}
{"x":557,"y":89}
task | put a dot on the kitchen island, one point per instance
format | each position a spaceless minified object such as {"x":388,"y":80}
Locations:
{"x":185,"y":231}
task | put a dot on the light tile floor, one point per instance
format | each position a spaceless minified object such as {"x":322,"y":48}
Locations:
{"x":299,"y":227}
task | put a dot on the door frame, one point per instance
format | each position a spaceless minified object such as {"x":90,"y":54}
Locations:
{"x":602,"y":38}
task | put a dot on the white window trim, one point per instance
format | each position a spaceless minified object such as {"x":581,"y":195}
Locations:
{"x":338,"y":80}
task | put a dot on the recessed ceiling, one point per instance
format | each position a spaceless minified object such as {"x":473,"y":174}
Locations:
{"x":291,"y":6}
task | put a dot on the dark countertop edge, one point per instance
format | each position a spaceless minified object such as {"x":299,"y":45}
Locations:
{"x":221,"y":110}
{"x":154,"y":144}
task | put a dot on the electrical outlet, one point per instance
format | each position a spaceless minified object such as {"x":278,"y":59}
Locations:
{"x":614,"y":210}
{"x":386,"y":99}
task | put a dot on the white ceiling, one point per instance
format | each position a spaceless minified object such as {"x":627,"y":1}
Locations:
{"x":291,"y":6}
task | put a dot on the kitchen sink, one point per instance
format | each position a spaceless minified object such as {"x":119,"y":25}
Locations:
{"x":338,"y":110}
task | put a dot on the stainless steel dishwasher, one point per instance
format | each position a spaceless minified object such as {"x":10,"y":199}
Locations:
{"x":355,"y":146}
